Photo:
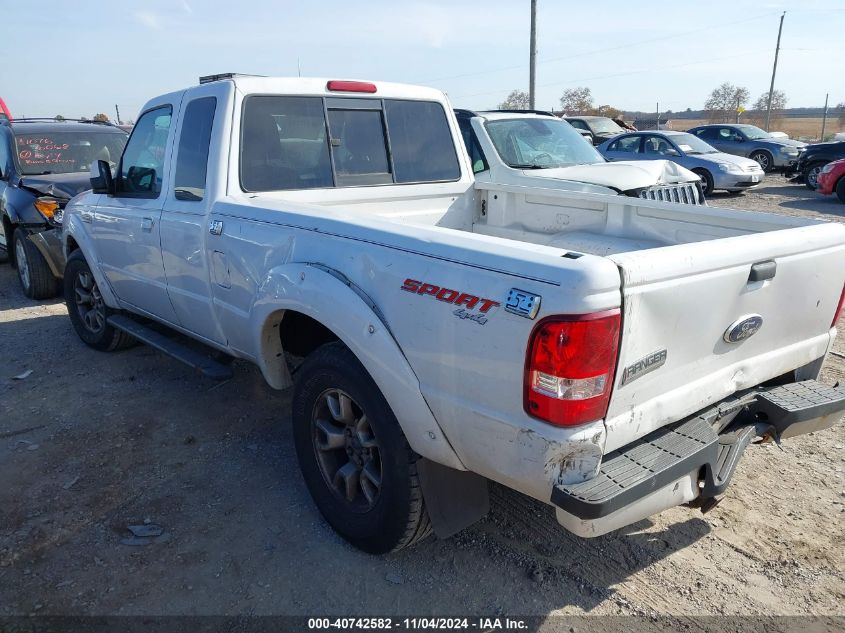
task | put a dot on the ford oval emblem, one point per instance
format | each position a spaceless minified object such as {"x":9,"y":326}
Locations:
{"x":743,"y":328}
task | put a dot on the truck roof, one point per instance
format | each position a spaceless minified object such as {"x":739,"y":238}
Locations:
{"x":247,"y":84}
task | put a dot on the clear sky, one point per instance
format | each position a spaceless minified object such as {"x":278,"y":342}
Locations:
{"x":82,"y":57}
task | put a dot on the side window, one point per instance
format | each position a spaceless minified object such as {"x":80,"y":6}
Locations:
{"x":420,"y":142}
{"x":476,"y":155}
{"x":629,"y":144}
{"x":194,"y":139}
{"x":651,"y":145}
{"x":4,"y":156}
{"x":143,"y":159}
{"x":359,"y":147}
{"x":577,"y":124}
{"x":708,"y":133}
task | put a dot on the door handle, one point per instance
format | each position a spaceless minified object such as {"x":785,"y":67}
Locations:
{"x":215,"y":227}
{"x":147,"y":225}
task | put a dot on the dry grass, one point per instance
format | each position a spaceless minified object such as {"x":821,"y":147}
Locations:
{"x":808,"y":128}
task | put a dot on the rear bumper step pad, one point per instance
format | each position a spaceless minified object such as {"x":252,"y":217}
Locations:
{"x":669,"y":453}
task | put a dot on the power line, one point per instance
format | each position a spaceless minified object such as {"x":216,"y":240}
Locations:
{"x":603,"y":50}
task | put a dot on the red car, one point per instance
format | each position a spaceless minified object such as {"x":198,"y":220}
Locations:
{"x":832,"y":179}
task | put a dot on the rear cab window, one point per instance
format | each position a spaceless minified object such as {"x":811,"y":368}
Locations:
{"x":292,"y":143}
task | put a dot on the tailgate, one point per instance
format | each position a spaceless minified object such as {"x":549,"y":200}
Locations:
{"x":682,"y":303}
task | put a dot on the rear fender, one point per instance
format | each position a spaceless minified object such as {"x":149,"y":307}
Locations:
{"x":324,"y":297}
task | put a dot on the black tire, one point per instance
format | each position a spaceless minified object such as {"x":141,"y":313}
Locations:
{"x":811,"y":175}
{"x":840,"y":190}
{"x":34,"y":275}
{"x":706,"y":181}
{"x":396,"y":516}
{"x":764,"y":159}
{"x":103,"y":337}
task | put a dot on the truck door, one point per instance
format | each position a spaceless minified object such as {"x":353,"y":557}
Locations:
{"x":184,"y":222}
{"x":126,"y":226}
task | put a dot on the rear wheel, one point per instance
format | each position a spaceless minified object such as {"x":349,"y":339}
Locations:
{"x":840,"y":190}
{"x":764,"y":159}
{"x":353,"y":455}
{"x":35,"y":276}
{"x":811,"y":175}
{"x":706,"y":181}
{"x":87,"y":310}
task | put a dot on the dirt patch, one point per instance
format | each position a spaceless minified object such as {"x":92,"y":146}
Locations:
{"x":91,"y":443}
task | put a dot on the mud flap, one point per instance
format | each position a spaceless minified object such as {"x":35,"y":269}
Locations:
{"x":455,"y":499}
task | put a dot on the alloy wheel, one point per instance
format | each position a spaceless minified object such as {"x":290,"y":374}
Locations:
{"x":813,"y":176}
{"x":762,"y":159}
{"x":89,"y":302}
{"x":347,"y":450}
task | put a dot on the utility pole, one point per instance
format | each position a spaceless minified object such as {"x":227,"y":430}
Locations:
{"x":657,"y":117}
{"x":117,"y":112}
{"x":298,"y":68}
{"x":532,"y":56}
{"x":824,"y":117}
{"x":774,"y":70}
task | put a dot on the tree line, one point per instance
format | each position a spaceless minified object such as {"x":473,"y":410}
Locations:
{"x":726,"y":104}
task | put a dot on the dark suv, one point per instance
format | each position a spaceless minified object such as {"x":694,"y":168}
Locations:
{"x":815,"y":157}
{"x":43,"y":164}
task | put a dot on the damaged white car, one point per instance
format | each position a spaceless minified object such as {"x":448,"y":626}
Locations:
{"x":537,"y":149}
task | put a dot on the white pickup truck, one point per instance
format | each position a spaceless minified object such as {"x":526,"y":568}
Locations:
{"x":606,"y":355}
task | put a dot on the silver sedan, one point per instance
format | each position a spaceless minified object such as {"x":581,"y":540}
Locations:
{"x":769,"y":151}
{"x":716,"y":169}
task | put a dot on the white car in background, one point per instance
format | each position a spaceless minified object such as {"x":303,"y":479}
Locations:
{"x":538,"y":149}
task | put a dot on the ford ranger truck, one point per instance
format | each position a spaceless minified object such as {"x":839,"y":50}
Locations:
{"x":609,"y":356}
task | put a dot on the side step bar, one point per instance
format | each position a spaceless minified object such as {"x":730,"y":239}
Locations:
{"x":203,"y":364}
{"x":701,"y":445}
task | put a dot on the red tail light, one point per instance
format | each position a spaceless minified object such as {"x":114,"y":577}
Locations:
{"x":570,"y":367}
{"x":838,"y":308}
{"x":350,"y":86}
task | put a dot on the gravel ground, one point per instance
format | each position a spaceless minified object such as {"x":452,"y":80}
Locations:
{"x":91,"y":443}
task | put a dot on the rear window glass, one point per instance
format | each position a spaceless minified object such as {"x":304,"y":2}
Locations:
{"x":307,"y":142}
{"x":66,"y":152}
{"x":358,"y":145}
{"x":421,"y":142}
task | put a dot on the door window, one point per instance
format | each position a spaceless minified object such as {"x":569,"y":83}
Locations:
{"x":192,"y":159}
{"x":4,"y":156}
{"x":476,"y":155}
{"x":630,"y":144}
{"x":141,"y":167}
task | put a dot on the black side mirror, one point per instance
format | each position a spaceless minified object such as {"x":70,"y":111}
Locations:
{"x":103,"y":182}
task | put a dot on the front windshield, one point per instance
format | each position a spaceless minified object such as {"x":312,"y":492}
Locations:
{"x":66,"y":152}
{"x":691,"y":144}
{"x":530,"y":143}
{"x":753,"y":132}
{"x":605,"y":126}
